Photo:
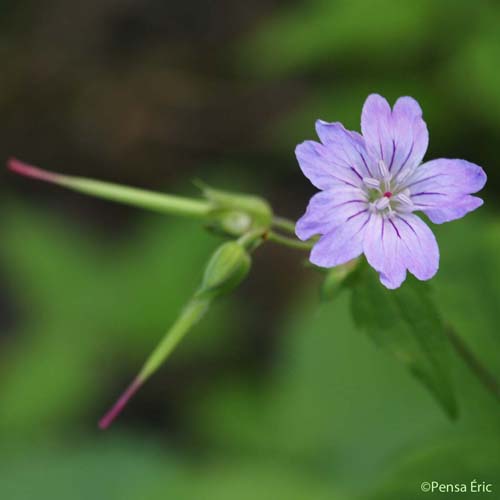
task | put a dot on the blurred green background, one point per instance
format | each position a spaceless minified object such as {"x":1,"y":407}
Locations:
{"x":274,"y":396}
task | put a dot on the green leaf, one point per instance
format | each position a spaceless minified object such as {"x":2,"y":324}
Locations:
{"x":406,"y":323}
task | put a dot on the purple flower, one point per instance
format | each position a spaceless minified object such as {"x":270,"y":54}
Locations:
{"x":372,"y":184}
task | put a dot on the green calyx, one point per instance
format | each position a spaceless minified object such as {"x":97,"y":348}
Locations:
{"x":236,"y":213}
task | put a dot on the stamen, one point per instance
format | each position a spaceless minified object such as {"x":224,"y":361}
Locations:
{"x":384,"y":171}
{"x":387,"y":194}
{"x":404,"y":175}
{"x":371,"y":183}
{"x":404,"y":201}
{"x":382,"y":203}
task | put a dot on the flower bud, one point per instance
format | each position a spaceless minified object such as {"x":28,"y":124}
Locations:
{"x":225,"y":270}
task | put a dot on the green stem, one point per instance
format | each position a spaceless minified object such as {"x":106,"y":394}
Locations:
{"x":158,"y":202}
{"x":284,"y":224}
{"x":290,"y":242}
{"x":175,"y":205}
{"x":190,"y":315}
{"x":477,"y":368}
{"x":252,"y":239}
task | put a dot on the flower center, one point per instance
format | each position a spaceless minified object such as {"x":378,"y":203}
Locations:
{"x":386,"y":195}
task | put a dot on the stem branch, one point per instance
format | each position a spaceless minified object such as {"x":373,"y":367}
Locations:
{"x":477,"y":368}
{"x":284,"y":224}
{"x":290,"y":242}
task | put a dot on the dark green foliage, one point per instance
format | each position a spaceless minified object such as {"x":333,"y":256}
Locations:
{"x":406,"y":323}
{"x":333,"y":418}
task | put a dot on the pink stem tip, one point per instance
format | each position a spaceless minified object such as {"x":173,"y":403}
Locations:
{"x":106,"y":421}
{"x":22,"y":168}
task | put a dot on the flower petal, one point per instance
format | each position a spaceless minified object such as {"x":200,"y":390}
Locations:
{"x":376,"y":127}
{"x":347,"y":148}
{"x":319,"y":164}
{"x":342,"y":244}
{"x":393,"y":245}
{"x":462,"y":207}
{"x":383,"y":249}
{"x":327,"y":209}
{"x":422,"y":256}
{"x":410,"y":135}
{"x":398,"y":137}
{"x":441,"y":188}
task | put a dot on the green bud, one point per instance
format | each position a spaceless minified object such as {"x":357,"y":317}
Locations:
{"x":225,"y":270}
{"x":225,"y":202}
